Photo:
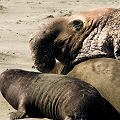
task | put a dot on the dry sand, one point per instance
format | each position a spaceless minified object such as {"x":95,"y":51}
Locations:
{"x":19,"y":18}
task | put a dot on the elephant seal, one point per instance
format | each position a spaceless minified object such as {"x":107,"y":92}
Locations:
{"x":51,"y":95}
{"x":71,"y":40}
{"x":103,"y":74}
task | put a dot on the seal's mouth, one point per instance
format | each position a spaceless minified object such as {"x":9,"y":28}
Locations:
{"x":45,"y":67}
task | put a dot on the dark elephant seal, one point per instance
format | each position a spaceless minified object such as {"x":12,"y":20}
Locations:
{"x":53,"y":96}
{"x":74,"y":39}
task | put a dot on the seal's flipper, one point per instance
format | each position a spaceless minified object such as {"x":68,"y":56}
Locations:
{"x":17,"y":115}
{"x":21,"y":112}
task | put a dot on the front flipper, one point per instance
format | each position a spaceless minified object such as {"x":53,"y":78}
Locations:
{"x":21,"y":112}
{"x":17,"y":115}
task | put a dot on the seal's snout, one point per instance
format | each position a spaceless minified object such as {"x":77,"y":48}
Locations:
{"x":7,"y":74}
{"x":1,"y":77}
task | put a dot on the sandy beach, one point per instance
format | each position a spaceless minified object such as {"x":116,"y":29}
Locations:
{"x":20,"y":18}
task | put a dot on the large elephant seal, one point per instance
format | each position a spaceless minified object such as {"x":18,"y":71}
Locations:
{"x":51,"y":95}
{"x":71,"y":40}
{"x":103,"y":74}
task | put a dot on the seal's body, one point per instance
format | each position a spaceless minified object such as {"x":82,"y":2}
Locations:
{"x":102,"y":73}
{"x":51,"y":95}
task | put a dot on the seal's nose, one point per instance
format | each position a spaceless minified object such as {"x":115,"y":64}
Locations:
{"x":1,"y":77}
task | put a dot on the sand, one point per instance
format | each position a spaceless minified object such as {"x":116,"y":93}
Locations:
{"x":20,"y":18}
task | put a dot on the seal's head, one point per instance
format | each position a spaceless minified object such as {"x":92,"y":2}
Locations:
{"x":62,"y":38}
{"x":6,"y":78}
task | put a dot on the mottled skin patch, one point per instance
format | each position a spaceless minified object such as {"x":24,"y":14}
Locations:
{"x":54,"y":96}
{"x":103,"y":41}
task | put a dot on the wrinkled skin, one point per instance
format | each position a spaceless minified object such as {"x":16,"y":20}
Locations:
{"x":104,"y":75}
{"x":71,"y":40}
{"x":51,"y":95}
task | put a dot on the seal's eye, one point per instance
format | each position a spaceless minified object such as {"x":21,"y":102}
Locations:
{"x":76,"y":22}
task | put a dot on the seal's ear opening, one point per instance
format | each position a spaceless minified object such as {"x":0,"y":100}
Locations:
{"x":76,"y":25}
